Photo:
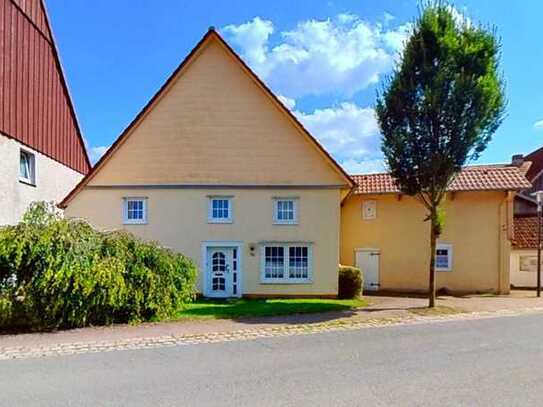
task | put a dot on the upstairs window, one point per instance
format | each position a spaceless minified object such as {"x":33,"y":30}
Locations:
{"x":135,"y":210}
{"x":285,"y":211}
{"x":220,"y":210}
{"x":27,"y":167}
{"x":443,"y":257}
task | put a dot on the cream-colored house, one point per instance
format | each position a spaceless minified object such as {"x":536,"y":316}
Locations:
{"x":218,"y":169}
{"x":383,"y":232}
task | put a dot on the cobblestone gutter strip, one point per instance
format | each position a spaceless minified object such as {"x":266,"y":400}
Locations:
{"x":241,"y":335}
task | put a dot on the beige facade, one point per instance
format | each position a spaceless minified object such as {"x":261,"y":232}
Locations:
{"x":178,"y":218}
{"x":215,"y":131}
{"x":477,"y":228}
{"x":52,"y":182}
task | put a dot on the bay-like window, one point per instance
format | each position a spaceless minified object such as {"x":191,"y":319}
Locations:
{"x":286,"y":263}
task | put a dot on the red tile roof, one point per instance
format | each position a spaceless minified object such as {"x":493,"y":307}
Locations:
{"x":472,"y":178}
{"x":525,"y":232}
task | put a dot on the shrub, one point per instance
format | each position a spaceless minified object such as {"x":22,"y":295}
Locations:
{"x":60,"y":273}
{"x":350,"y":282}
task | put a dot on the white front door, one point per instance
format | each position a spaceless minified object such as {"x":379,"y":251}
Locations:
{"x":367,"y":260}
{"x":222,"y":272}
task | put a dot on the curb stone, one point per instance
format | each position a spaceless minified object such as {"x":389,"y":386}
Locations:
{"x":77,"y":348}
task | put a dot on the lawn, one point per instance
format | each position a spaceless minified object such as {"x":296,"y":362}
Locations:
{"x":235,"y":308}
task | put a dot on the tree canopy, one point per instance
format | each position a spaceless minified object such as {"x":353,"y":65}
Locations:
{"x":443,"y":103}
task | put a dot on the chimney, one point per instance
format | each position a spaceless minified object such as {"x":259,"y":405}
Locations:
{"x":517,"y":160}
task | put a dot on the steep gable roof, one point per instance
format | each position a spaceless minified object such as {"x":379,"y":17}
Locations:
{"x":471,"y":178}
{"x":210,"y":35}
{"x":35,"y":105}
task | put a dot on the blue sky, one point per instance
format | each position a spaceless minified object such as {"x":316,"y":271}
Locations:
{"x":324,"y":58}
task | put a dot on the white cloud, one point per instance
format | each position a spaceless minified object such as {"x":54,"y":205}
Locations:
{"x":538,"y":125}
{"x":335,"y":56}
{"x":349,"y":132}
{"x":288,"y":102}
{"x":363,"y":167}
{"x":95,"y":153}
{"x":460,"y":16}
{"x":388,"y":18}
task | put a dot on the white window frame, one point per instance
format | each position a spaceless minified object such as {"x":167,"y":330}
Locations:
{"x":286,"y":250}
{"x":31,"y":167}
{"x":127,"y":221}
{"x":276,"y":219}
{"x":449,"y":248}
{"x":210,"y":218}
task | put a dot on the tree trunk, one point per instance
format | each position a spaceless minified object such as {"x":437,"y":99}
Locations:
{"x":433,"y":238}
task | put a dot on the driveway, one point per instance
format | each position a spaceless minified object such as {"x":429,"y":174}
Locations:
{"x":491,"y":361}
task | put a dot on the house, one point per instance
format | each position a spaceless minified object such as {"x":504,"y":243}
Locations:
{"x":524,"y":244}
{"x":42,"y":154}
{"x":215,"y":167}
{"x":383,"y":233}
{"x":524,"y":252}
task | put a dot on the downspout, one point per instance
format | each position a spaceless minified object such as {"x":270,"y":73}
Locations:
{"x":505,"y":237}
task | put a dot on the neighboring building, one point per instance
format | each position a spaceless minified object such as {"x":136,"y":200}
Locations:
{"x":218,"y":169}
{"x":215,"y":167}
{"x":524,"y":248}
{"x":382,"y":232}
{"x":42,"y":155}
{"x":532,"y":165}
{"x":524,"y":252}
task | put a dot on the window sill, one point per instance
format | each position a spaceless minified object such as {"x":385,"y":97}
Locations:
{"x":443,"y":270}
{"x":27,"y":182}
{"x":285,"y":223}
{"x":225,"y":221}
{"x":286,"y":282}
{"x":134,"y":223}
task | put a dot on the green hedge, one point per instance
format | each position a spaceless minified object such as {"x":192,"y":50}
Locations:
{"x":60,"y":273}
{"x":350,"y":282}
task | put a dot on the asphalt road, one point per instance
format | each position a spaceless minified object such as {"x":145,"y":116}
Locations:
{"x":496,"y":362}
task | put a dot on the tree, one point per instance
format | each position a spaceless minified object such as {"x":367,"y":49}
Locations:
{"x":439,"y":109}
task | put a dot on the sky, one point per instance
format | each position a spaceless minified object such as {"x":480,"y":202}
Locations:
{"x":324,"y":59}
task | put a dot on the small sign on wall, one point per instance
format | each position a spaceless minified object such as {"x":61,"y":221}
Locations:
{"x":528,"y":263}
{"x":369,"y":209}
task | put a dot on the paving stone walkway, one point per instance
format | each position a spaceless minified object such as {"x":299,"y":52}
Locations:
{"x":74,"y":348}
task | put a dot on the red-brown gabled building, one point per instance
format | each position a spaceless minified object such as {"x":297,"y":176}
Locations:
{"x":42,"y":153}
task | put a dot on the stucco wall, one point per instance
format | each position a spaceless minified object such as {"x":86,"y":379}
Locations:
{"x":523,"y":278}
{"x":178,"y":218}
{"x":53,"y":181}
{"x":476,"y":226}
{"x":215,"y":125}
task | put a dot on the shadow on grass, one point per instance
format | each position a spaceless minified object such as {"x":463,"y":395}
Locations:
{"x":287,"y":310}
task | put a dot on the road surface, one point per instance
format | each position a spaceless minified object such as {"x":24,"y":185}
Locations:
{"x":497,"y":361}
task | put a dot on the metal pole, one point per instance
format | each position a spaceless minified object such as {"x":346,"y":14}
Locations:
{"x":539,"y":247}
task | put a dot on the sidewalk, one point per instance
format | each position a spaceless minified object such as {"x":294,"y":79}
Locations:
{"x":383,"y":310}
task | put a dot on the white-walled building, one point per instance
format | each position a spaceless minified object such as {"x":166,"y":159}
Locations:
{"x":42,"y":154}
